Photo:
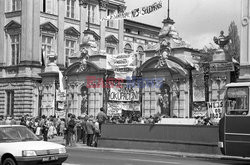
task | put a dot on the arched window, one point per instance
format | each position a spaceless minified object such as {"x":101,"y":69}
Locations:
{"x":128,"y":49}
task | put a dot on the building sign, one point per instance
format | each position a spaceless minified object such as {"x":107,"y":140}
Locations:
{"x":122,"y":64}
{"x":215,"y":109}
{"x":221,"y":67}
{"x":124,"y":93}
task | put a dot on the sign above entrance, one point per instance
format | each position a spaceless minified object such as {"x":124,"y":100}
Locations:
{"x":221,"y":67}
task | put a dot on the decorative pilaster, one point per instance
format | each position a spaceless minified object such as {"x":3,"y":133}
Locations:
{"x":36,"y":55}
{"x":102,"y":8}
{"x":83,"y":20}
{"x":30,"y":21}
{"x":245,"y":33}
{"x":121,"y":9}
{"x":2,"y":36}
{"x":60,"y":41}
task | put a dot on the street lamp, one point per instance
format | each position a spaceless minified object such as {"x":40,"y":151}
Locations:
{"x":40,"y":91}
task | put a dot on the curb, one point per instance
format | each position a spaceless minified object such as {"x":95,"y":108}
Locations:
{"x":152,"y":152}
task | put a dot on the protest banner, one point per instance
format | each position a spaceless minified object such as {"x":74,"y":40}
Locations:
{"x":122,"y":64}
{"x":135,"y":12}
{"x":124,"y":93}
{"x":215,"y":109}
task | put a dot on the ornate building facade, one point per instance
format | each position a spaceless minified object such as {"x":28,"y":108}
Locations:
{"x":33,"y":30}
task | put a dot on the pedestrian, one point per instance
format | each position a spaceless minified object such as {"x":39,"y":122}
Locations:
{"x":90,"y":131}
{"x":71,"y":130}
{"x":101,"y":118}
{"x":83,"y":126}
{"x":96,"y":133}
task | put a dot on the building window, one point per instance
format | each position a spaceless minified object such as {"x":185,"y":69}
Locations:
{"x":93,"y":13}
{"x":10,"y":103}
{"x":70,"y":11}
{"x":47,"y":42}
{"x":47,"y":6}
{"x":128,"y":49}
{"x":69,"y":49}
{"x":110,"y":50}
{"x":128,"y":30}
{"x":15,"y":49}
{"x":110,"y":23}
{"x":16,"y":5}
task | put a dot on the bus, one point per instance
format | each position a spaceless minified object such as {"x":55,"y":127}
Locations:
{"x":234,"y":126}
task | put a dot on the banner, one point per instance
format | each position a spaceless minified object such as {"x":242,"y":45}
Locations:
{"x":122,"y":64}
{"x":124,"y":93}
{"x":135,"y":12}
{"x":115,"y":108}
{"x":215,"y":109}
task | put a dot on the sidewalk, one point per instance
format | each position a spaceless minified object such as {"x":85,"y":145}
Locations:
{"x":80,"y":146}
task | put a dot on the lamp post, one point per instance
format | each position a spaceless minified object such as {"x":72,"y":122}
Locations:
{"x":40,"y":92}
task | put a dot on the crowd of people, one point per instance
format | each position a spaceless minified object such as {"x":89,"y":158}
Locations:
{"x":85,"y":129}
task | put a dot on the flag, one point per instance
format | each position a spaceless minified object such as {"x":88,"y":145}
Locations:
{"x":62,"y":82}
{"x":42,"y":58}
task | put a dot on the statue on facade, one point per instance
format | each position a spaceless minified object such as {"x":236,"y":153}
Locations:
{"x":165,"y":51}
{"x":222,"y":40}
{"x":84,"y":101}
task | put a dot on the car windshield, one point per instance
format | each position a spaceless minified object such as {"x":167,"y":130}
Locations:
{"x":16,"y":134}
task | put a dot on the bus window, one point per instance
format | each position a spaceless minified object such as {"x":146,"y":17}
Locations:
{"x":236,"y":101}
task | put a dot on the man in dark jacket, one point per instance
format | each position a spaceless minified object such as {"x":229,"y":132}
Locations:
{"x":101,"y":118}
{"x":71,"y":129}
{"x":90,"y":131}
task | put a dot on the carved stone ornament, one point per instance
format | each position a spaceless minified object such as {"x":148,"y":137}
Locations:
{"x":121,"y":8}
{"x":103,"y":4}
{"x":245,"y":21}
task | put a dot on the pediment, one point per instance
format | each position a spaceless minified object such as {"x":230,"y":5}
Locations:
{"x":49,"y":27}
{"x":12,"y":26}
{"x":71,"y":31}
{"x":112,"y":39}
{"x":79,"y":68}
{"x":91,"y":32}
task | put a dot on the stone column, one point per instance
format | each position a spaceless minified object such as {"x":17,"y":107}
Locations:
{"x":30,"y":20}
{"x":102,"y":8}
{"x":121,"y":9}
{"x":83,"y":20}
{"x":36,"y":53}
{"x":60,"y":40}
{"x":2,"y":35}
{"x":245,"y":33}
{"x":27,"y":31}
{"x":245,"y":42}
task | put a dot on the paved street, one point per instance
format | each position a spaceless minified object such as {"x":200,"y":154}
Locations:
{"x":100,"y":157}
{"x":83,"y":155}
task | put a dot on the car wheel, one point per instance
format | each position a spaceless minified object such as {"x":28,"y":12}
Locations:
{"x":9,"y":161}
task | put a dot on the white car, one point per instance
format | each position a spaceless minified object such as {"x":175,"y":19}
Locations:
{"x":20,"y":146}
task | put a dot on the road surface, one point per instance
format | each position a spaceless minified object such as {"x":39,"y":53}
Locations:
{"x":99,"y":157}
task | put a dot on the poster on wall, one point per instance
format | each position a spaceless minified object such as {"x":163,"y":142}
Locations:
{"x":122,"y":64}
{"x":124,"y":93}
